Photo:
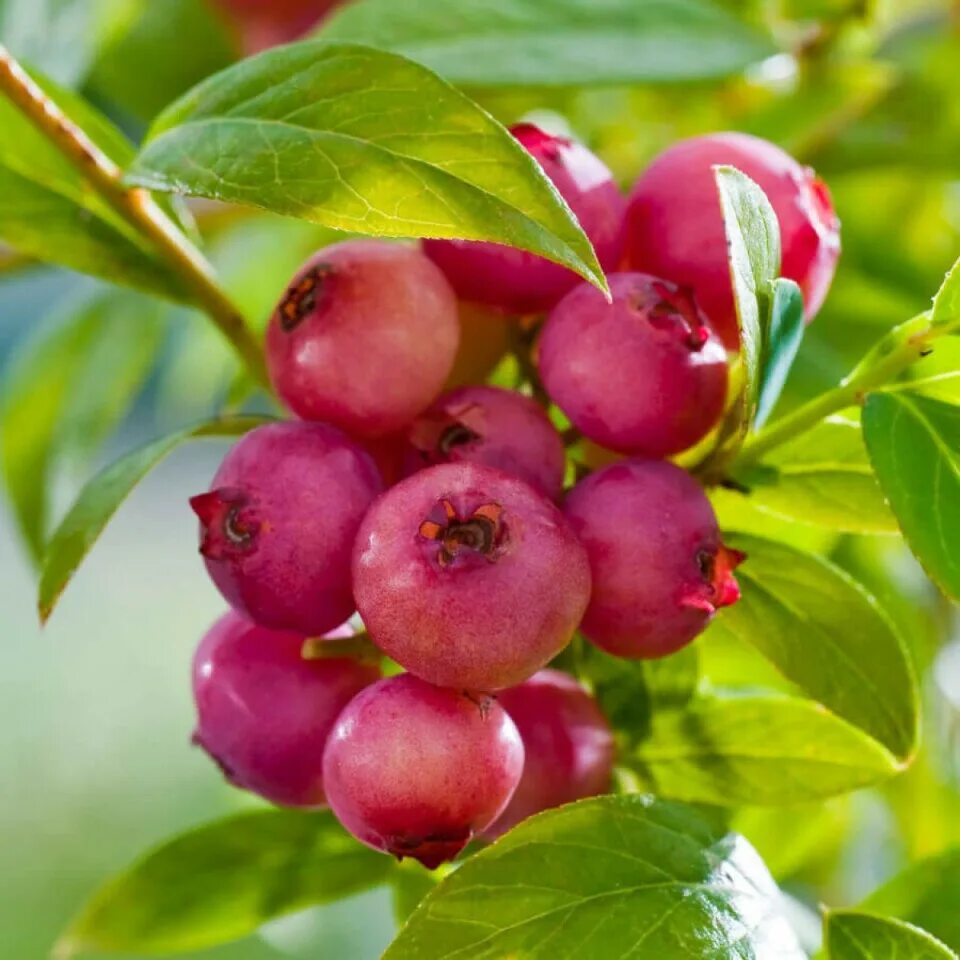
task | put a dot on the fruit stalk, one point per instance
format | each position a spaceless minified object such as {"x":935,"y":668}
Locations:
{"x":135,"y":206}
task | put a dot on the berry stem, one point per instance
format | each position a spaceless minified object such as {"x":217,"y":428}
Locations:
{"x":889,"y":357}
{"x":135,"y":206}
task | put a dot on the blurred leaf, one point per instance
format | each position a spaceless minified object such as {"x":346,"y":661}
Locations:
{"x":850,"y":935}
{"x":162,"y":51}
{"x":67,"y":391}
{"x":946,"y":304}
{"x":924,"y":894}
{"x":784,"y":332}
{"x":410,"y":883}
{"x":764,"y":750}
{"x":360,"y":140}
{"x":941,"y":386}
{"x":914,"y":444}
{"x":823,"y":477}
{"x":101,"y":497}
{"x":59,"y":37}
{"x":221,"y":881}
{"x":48,"y":211}
{"x":827,"y":635}
{"x":753,"y":247}
{"x":672,"y":681}
{"x":607,"y":877}
{"x":562,"y":43}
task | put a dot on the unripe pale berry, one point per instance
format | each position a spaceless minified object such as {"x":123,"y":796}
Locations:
{"x":416,"y":770}
{"x":264,"y":713}
{"x":521,"y":282}
{"x":278,"y":524}
{"x":468,"y":577}
{"x":484,"y":339}
{"x":567,"y":743}
{"x":674,"y":227}
{"x":644,"y":374}
{"x":491,"y":426}
{"x":364,"y":337}
{"x":659,"y":568}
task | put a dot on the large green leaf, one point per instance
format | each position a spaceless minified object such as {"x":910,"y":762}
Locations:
{"x":823,"y":477}
{"x":946,"y":304}
{"x":68,"y":389}
{"x":610,"y":877}
{"x":827,"y":635}
{"x":360,"y":140}
{"x":221,"y":881}
{"x":101,"y":497}
{"x":925,"y":894}
{"x":556,"y":42}
{"x":763,"y":750}
{"x":48,"y":210}
{"x":784,"y":331}
{"x":850,"y":935}
{"x":914,"y":445}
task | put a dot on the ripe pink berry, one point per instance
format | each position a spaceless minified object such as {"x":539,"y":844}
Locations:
{"x":487,"y":425}
{"x":468,"y":577}
{"x":644,"y":374}
{"x":416,"y":770}
{"x":659,"y":569}
{"x":277,"y":527}
{"x":521,"y":282}
{"x":567,"y":743}
{"x":264,"y":713}
{"x":364,"y":337}
{"x":674,"y":228}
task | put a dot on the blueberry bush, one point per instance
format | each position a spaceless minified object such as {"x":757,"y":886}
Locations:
{"x":579,"y":588}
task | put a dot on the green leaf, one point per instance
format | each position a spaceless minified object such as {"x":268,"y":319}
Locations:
{"x":826,"y":634}
{"x":65,"y":393}
{"x":101,"y":497}
{"x":925,"y":894}
{"x":409,"y":884}
{"x":914,"y":445}
{"x":946,"y":304}
{"x":562,"y":43}
{"x":785,"y":328}
{"x":850,"y":935}
{"x":753,"y":245}
{"x":360,"y":140}
{"x":762,"y":750}
{"x":221,"y":881}
{"x":625,"y":876}
{"x":48,"y":211}
{"x":824,"y":478}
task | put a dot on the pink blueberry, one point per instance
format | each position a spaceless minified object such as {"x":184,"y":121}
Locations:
{"x":674,"y":228}
{"x":364,"y":337}
{"x":416,"y":770}
{"x":520,"y":282}
{"x":644,"y":374}
{"x":278,"y":524}
{"x":468,"y":577}
{"x":659,"y":568}
{"x":568,"y":746}
{"x":264,"y":713}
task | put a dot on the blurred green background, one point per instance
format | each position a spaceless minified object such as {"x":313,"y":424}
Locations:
{"x":96,"y":763}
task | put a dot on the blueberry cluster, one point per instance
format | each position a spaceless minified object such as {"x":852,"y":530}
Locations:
{"x":440,"y":516}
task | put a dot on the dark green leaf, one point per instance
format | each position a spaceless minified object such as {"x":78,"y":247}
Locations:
{"x":66,"y":392}
{"x":914,"y":444}
{"x":925,"y":894}
{"x":849,"y":935}
{"x":221,"y":881}
{"x":556,"y":42}
{"x":823,"y":477}
{"x":101,"y":497}
{"x":610,"y":877}
{"x":360,"y":140}
{"x":48,"y":211}
{"x":764,"y":750}
{"x":946,"y":304}
{"x":784,"y":332}
{"x":827,"y":635}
